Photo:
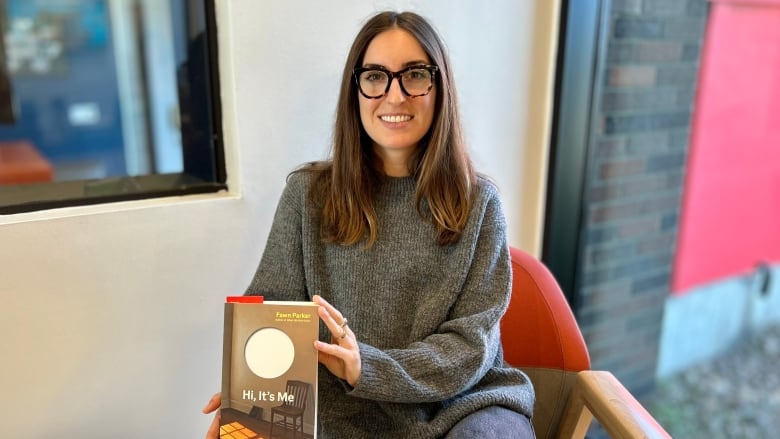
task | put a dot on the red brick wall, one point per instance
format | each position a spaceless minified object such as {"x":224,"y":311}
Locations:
{"x":636,"y":164}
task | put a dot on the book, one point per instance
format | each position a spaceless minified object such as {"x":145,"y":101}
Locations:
{"x":269,"y":369}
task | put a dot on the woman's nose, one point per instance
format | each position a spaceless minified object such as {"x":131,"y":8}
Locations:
{"x":395,"y":94}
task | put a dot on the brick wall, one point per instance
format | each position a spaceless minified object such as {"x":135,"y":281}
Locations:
{"x":636,"y":163}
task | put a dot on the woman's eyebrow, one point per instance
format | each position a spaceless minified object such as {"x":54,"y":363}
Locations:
{"x":406,"y":64}
{"x":416,"y":63}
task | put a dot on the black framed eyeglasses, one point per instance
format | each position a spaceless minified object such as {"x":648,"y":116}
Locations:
{"x":416,"y":80}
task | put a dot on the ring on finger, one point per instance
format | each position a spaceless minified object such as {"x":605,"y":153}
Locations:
{"x":344,"y":323}
{"x":343,"y":334}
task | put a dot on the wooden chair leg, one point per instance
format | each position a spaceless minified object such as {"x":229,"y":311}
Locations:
{"x":576,"y":418}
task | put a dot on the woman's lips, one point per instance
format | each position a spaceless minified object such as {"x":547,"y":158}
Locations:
{"x":395,"y":118}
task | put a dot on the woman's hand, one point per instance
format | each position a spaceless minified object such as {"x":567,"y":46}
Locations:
{"x":342,"y":355}
{"x":213,"y":405}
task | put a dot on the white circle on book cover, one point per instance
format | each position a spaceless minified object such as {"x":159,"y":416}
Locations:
{"x":269,"y":353}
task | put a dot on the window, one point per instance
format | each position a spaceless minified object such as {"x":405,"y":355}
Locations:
{"x":107,"y":100}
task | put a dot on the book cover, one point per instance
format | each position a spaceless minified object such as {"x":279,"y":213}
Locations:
{"x":269,"y":369}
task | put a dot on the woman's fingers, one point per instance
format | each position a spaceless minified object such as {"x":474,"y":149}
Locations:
{"x":342,"y":355}
{"x":333,"y":318}
{"x":330,"y":322}
{"x":213,"y":431}
{"x":213,"y":403}
{"x":332,"y":311}
{"x":340,"y":361}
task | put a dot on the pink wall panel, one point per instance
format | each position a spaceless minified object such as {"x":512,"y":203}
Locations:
{"x":730,"y":217}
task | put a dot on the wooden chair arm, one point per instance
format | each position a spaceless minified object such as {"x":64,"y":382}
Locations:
{"x":599,"y":395}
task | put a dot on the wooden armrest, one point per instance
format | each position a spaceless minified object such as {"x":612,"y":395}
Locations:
{"x":599,"y":394}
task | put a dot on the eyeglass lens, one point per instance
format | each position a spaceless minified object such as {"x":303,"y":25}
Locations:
{"x":414,"y":82}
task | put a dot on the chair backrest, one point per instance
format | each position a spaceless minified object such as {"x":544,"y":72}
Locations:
{"x":540,"y":335}
{"x":299,"y":390}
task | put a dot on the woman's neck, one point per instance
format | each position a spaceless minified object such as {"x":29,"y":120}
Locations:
{"x":395,"y":163}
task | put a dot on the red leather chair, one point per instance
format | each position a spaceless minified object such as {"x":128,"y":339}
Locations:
{"x":540,"y":336}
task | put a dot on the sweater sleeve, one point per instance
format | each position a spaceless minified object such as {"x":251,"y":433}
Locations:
{"x":467,"y":345}
{"x":280,"y":274}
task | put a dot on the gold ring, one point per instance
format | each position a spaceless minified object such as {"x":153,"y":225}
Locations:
{"x":344,"y":323}
{"x":343,"y":334}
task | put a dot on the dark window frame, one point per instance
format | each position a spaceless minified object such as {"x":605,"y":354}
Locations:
{"x":201,"y":137}
{"x":584,"y":24}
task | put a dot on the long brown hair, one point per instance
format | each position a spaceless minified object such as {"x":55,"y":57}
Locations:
{"x":440,"y":165}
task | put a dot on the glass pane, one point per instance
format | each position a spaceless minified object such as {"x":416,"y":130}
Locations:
{"x":113,"y":90}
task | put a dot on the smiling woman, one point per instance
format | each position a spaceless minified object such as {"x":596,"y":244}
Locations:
{"x":396,"y":120}
{"x":116,"y":98}
{"x":398,"y":199}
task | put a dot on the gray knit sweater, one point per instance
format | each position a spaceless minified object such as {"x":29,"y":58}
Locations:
{"x":426,"y":317}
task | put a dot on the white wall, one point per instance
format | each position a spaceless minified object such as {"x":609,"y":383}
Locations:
{"x":111,"y":315}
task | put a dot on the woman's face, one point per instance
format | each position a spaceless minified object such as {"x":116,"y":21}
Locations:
{"x":396,"y":122}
